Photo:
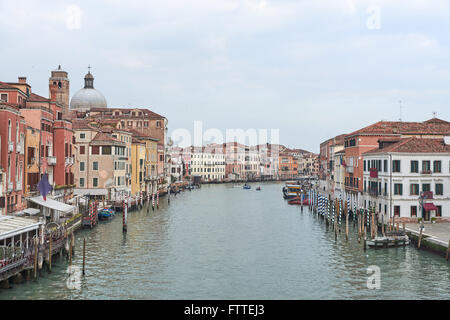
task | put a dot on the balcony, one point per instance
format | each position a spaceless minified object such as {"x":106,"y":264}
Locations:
{"x":51,"y":161}
{"x":10,"y":146}
{"x":19,"y":148}
{"x":69,"y":161}
{"x":425,"y":172}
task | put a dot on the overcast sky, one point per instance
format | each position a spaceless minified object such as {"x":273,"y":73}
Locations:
{"x":312,"y":69}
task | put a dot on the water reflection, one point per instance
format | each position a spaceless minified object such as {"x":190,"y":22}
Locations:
{"x":222,"y":242}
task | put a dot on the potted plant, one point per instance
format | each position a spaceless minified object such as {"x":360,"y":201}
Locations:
{"x":419,"y":220}
{"x":433,"y":220}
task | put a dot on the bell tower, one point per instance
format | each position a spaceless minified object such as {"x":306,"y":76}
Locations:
{"x":60,"y":83}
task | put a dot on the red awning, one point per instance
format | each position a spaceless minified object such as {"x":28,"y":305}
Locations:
{"x":429,"y":207}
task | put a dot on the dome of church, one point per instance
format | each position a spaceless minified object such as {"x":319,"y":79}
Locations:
{"x":87,"y":97}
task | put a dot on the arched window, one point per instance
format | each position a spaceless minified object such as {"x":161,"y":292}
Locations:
{"x":9,"y":130}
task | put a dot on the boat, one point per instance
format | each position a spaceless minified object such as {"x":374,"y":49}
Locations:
{"x":246,"y":186}
{"x":291,"y":191}
{"x":106,"y":214}
{"x":258,"y":189}
{"x":298,"y":200}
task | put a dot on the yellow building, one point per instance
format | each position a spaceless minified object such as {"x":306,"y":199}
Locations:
{"x":150,"y":162}
{"x":137,"y":166}
{"x":32,"y":178}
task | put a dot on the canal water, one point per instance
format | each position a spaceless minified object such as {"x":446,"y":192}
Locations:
{"x":223,"y":242}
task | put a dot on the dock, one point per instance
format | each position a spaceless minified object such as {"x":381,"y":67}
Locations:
{"x":435,"y":236}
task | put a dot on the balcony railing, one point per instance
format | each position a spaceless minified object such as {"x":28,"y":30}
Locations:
{"x":426,"y":172}
{"x":51,"y":161}
{"x":10,"y":146}
{"x":69,"y":161}
{"x":19,"y":148}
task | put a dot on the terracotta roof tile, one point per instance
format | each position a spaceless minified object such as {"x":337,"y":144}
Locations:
{"x":36,"y":97}
{"x":432,"y":126}
{"x":414,"y":145}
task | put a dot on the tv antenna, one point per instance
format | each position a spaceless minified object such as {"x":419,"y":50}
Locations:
{"x":434,"y":114}
{"x":400,"y":104}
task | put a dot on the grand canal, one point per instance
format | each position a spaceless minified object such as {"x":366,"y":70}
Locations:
{"x":222,"y":242}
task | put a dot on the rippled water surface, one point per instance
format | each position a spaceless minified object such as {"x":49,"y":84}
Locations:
{"x":222,"y":242}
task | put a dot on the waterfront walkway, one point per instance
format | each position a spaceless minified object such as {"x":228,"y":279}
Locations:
{"x":440,"y":231}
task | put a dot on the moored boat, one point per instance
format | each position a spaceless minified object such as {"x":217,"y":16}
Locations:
{"x":246,"y":186}
{"x":298,"y":200}
{"x":106,"y":214}
{"x":291,"y":191}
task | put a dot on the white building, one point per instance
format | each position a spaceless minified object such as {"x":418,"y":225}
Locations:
{"x":398,"y":172}
{"x":209,"y":163}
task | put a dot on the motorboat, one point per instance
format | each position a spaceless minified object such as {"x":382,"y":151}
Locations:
{"x":106,"y":214}
{"x":258,"y":189}
{"x":298,"y":200}
{"x":291,"y":191}
{"x":246,"y":186}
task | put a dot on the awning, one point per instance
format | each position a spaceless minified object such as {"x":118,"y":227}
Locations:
{"x":429,"y":207}
{"x":90,"y":192}
{"x":32,"y":211}
{"x":52,"y":204}
{"x":11,"y":226}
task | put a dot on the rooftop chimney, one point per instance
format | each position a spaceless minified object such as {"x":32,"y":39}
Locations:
{"x":22,"y":79}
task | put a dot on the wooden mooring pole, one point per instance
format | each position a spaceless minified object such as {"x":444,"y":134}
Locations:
{"x":420,"y":237}
{"x":346,"y":225}
{"x":50,"y":254}
{"x":70,"y":251}
{"x":36,"y":246}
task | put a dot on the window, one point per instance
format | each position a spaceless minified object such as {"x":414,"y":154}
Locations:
{"x":413,"y":211}
{"x":161,"y":158}
{"x":397,"y":211}
{"x":95,"y":182}
{"x":81,"y":182}
{"x":9,"y":130}
{"x":82,"y":149}
{"x":81,"y":165}
{"x":395,"y":165}
{"x":364,"y":165}
{"x":439,"y":211}
{"x":95,"y":150}
{"x":4,"y":97}
{"x":106,"y":150}
{"x":95,"y":165}
{"x":426,"y":166}
{"x":439,"y":189}
{"x":426,"y":187}
{"x":82,"y":135}
{"x":437,"y":166}
{"x":385,"y":165}
{"x":414,"y":166}
{"x":398,"y":189}
{"x":158,"y":124}
{"x":414,"y":189}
